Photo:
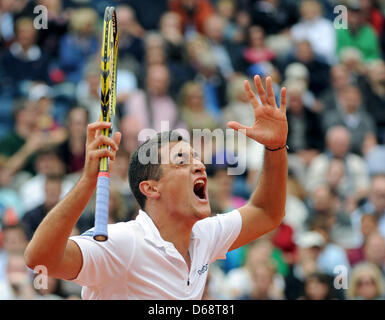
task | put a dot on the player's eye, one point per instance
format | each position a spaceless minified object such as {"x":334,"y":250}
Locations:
{"x":181,"y":158}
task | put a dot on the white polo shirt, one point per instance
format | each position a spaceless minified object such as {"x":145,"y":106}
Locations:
{"x":136,"y":263}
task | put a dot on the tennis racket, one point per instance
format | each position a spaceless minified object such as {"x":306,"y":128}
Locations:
{"x":109,"y":57}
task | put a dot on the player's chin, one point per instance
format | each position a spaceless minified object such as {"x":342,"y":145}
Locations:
{"x":202,"y":208}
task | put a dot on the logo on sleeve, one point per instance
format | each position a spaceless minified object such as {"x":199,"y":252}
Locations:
{"x":203,"y":269}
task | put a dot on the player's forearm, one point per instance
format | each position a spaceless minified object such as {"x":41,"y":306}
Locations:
{"x":50,"y":239}
{"x":270,"y":193}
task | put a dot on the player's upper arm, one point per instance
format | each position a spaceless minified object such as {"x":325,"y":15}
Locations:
{"x":255,"y":223}
{"x":71,"y":263}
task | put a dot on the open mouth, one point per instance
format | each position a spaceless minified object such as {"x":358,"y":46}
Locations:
{"x":200,"y":188}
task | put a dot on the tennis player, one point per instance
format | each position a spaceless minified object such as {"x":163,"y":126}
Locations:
{"x":166,"y":251}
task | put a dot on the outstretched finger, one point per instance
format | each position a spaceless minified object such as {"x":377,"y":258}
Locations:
{"x":250,"y":95}
{"x":283,"y":100}
{"x":270,"y":92}
{"x":260,"y":89}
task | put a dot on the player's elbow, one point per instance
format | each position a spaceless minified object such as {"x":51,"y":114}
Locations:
{"x":32,"y":258}
{"x":277,"y":218}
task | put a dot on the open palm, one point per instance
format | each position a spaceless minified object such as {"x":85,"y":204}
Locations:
{"x":270,"y":123}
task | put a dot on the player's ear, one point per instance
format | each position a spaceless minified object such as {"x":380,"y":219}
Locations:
{"x":149,"y":189}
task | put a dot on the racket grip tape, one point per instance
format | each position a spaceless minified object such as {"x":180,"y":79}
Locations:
{"x":101,"y":207}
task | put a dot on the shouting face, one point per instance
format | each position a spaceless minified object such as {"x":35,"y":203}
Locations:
{"x":183,"y":182}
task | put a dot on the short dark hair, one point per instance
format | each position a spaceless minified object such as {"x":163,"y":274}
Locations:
{"x":139,"y":172}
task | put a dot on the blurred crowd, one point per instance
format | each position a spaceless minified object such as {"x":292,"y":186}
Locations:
{"x":184,"y":62}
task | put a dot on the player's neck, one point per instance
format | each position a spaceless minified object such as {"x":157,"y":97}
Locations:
{"x":173,"y":228}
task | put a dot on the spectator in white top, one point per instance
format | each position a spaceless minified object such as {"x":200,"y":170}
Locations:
{"x":318,"y":30}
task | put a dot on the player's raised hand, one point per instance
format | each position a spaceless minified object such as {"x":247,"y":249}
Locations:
{"x":270,"y":123}
{"x":93,"y":151}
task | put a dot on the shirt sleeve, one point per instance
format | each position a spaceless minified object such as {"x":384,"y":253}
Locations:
{"x":103,"y":261}
{"x":222,"y":230}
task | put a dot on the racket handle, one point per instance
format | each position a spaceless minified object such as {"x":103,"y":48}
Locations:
{"x":101,"y":208}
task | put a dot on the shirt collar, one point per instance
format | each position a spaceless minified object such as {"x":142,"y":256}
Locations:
{"x":151,"y":232}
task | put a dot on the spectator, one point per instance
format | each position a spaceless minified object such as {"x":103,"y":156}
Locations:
{"x":9,"y":198}
{"x":24,"y":60}
{"x":373,"y":15}
{"x":256,"y":50}
{"x":20,"y":145}
{"x":213,"y":83}
{"x":170,"y":28}
{"x":305,"y":131}
{"x":239,"y":281}
{"x":327,"y":255}
{"x":227,"y":53}
{"x":355,"y":182}
{"x":359,"y":34}
{"x":327,"y":211}
{"x":153,"y":105}
{"x":295,"y":72}
{"x":119,"y":181}
{"x":369,"y":225}
{"x":156,"y":54}
{"x":353,"y":60}
{"x":316,"y":29}
{"x":57,"y":26}
{"x":18,"y":284}
{"x":318,"y":69}
{"x":373,"y":90}
{"x":193,"y":14}
{"x":366,"y":283}
{"x":375,"y":205}
{"x":222,"y":186}
{"x":296,"y":211}
{"x":47,"y":163}
{"x":193,"y":110}
{"x":88,"y":90}
{"x":72,"y":150}
{"x":228,"y":10}
{"x":263,"y":284}
{"x":374,"y":156}
{"x":274,"y":16}
{"x":130,"y":34}
{"x":83,"y":43}
{"x":14,"y":243}
{"x":351,"y":114}
{"x":48,"y":115}
{"x":374,"y":250}
{"x":309,"y":244}
{"x":33,"y":217}
{"x":318,"y":286}
{"x":340,"y":78}
{"x":130,"y":129}
{"x":238,"y":108}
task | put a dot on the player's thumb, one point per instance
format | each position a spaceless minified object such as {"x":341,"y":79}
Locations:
{"x":237,"y":127}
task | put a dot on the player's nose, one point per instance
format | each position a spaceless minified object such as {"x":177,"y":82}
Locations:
{"x":198,"y":166}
